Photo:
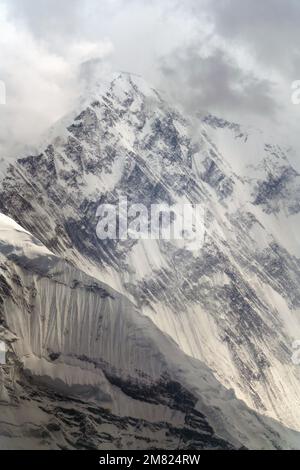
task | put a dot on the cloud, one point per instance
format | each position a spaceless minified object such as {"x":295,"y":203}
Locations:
{"x":47,"y":19}
{"x":235,"y":58}
{"x":41,"y":84}
{"x":216,"y":83}
{"x":268,"y":29}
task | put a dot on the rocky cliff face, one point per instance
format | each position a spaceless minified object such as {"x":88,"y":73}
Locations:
{"x":232,"y":302}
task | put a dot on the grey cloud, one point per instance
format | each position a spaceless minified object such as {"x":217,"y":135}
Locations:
{"x":216,"y":83}
{"x":269,"y":28}
{"x":46,"y":18}
{"x":53,"y":20}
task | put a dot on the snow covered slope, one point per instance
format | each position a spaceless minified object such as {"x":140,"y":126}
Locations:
{"x":234,"y":303}
{"x":87,"y":370}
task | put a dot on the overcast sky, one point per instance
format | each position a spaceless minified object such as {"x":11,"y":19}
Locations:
{"x":234,"y":58}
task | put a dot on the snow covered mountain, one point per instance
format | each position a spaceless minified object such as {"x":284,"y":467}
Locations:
{"x":106,"y":322}
{"x":86,"y":370}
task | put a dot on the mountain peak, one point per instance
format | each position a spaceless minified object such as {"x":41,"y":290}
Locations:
{"x":120,"y":85}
